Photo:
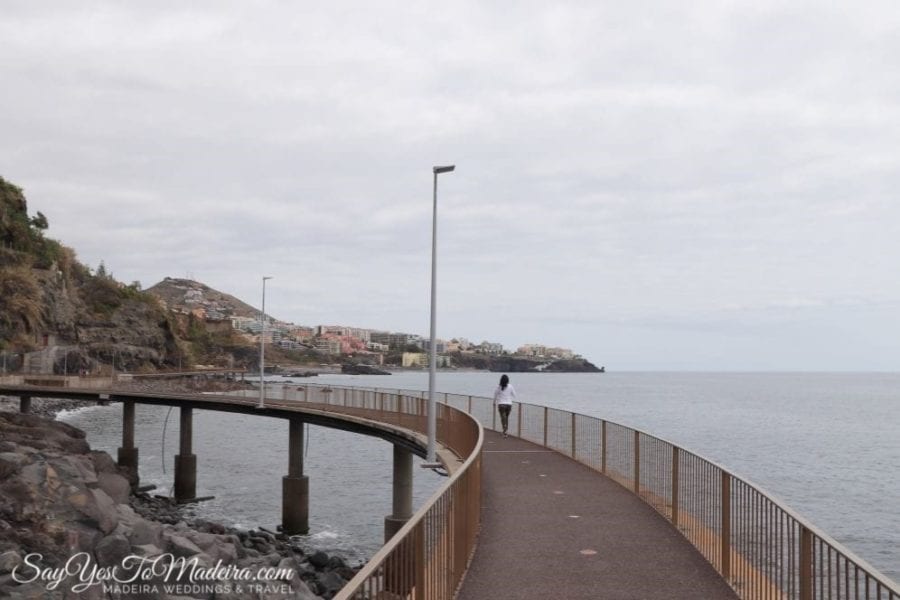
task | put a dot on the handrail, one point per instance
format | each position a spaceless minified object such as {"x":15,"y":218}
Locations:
{"x":428,"y":556}
{"x":759,"y":545}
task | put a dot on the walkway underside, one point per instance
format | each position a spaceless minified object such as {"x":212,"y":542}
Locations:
{"x":553,"y":528}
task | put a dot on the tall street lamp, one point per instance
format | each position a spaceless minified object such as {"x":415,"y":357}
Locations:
{"x":430,"y":460}
{"x":262,"y":349}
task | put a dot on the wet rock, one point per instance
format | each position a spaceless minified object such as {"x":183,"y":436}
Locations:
{"x":81,"y":538}
{"x":11,"y":462}
{"x":181,"y":546}
{"x":115,"y":486}
{"x":331,"y":583}
{"x":107,"y":515}
{"x":146,"y":550}
{"x":235,"y":542}
{"x":80,"y":467}
{"x":319,"y":560}
{"x":9,"y":560}
{"x":112,"y":549}
{"x":103,"y":462}
{"x":145,"y":532}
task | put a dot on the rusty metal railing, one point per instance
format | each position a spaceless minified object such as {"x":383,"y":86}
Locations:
{"x":762,"y":548}
{"x":427,"y":557}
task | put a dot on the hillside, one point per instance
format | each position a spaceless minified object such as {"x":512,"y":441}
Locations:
{"x":185,"y":295}
{"x":58,"y":315}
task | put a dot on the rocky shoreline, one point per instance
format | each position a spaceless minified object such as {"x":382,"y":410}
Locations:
{"x":61,"y":502}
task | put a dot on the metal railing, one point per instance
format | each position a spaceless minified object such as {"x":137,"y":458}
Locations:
{"x":93,"y":382}
{"x":762,"y":548}
{"x":428,"y":556}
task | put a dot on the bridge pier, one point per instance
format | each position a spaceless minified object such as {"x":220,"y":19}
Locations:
{"x":24,"y":404}
{"x":185,"y":460}
{"x":402,"y":492}
{"x":128,"y":454}
{"x":295,"y":487}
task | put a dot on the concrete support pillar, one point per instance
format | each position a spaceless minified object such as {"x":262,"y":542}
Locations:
{"x":128,"y":454}
{"x":295,"y":487}
{"x":185,"y":460}
{"x":24,"y":404}
{"x":402,"y":493}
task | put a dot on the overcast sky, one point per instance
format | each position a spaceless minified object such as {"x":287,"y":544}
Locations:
{"x":657,"y":185}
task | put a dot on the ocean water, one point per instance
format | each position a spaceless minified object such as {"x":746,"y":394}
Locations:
{"x":241,"y":460}
{"x":828,"y":445}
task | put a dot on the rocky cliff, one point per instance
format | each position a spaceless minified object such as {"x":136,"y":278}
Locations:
{"x":77,"y":319}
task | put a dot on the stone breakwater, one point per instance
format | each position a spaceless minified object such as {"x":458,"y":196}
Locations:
{"x":70,"y":527}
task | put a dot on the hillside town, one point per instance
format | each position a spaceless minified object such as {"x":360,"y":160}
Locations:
{"x":223,"y":312}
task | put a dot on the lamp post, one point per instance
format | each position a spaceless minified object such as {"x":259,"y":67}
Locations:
{"x":262,"y":349}
{"x":432,"y":351}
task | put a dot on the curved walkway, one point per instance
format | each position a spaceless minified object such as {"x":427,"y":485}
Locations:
{"x":554,"y":529}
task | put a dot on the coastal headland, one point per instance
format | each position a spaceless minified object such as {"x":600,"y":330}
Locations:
{"x":59,"y":316}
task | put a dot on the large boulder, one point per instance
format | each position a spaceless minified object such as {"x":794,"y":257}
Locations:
{"x":145,"y":532}
{"x":116,"y":487}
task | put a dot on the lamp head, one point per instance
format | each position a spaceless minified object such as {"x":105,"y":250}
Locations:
{"x":445,"y":169}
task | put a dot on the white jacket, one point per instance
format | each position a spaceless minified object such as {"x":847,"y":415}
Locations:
{"x":506,"y":396}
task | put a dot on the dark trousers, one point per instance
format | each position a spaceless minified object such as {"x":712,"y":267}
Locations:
{"x":504,"y":410}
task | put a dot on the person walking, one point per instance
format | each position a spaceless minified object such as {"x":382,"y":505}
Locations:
{"x":504,"y":396}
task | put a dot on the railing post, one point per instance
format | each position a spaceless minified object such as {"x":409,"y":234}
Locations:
{"x":806,"y":564}
{"x":520,"y":419}
{"x":545,"y":427}
{"x":470,"y":405}
{"x":573,"y":435}
{"x":637,"y":463}
{"x":726,"y":525}
{"x":420,"y":560}
{"x":675,"y":486}
{"x":603,"y":446}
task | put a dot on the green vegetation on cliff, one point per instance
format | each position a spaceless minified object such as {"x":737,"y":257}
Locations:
{"x":22,"y":237}
{"x":48,"y":298}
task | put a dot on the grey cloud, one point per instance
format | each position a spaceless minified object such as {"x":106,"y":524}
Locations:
{"x":619,"y":165}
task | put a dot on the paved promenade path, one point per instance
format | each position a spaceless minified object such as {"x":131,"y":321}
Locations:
{"x":555,"y":529}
